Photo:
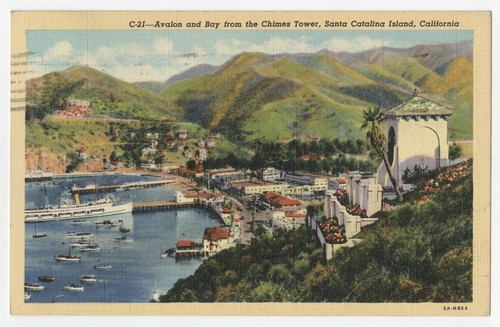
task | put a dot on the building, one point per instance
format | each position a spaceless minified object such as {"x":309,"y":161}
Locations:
{"x":78,"y":102}
{"x":148,"y":151}
{"x":182,"y":134}
{"x":201,"y":143}
{"x":338,"y":183}
{"x":210,"y":143}
{"x":417,"y":134}
{"x":287,"y":220}
{"x":202,"y":154}
{"x":364,"y":192}
{"x":215,"y":239}
{"x":315,"y":184}
{"x":258,"y":187}
{"x":222,"y":178}
{"x":268,"y":174}
{"x":279,"y":201}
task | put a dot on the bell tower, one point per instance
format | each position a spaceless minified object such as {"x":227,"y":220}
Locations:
{"x":417,"y":134}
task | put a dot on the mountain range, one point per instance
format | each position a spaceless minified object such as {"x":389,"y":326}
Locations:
{"x":279,"y":97}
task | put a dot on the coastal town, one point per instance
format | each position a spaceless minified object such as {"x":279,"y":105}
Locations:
{"x":246,"y":200}
{"x":300,"y":177}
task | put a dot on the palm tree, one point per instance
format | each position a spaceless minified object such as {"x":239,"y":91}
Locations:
{"x":373,"y":118}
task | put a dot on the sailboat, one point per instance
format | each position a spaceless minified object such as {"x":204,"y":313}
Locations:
{"x":67,"y":257}
{"x":38,"y":235}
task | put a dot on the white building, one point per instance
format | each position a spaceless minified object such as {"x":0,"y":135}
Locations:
{"x":258,"y":187}
{"x":215,"y":239}
{"x":417,"y":134}
{"x":268,"y":174}
{"x":148,"y":152}
{"x":314,"y":183}
{"x":364,"y":192}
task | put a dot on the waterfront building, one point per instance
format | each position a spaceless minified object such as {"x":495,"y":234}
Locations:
{"x":417,"y":134}
{"x":215,"y":239}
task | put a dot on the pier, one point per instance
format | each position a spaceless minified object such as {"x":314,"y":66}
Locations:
{"x":160,"y":205}
{"x":92,"y":189}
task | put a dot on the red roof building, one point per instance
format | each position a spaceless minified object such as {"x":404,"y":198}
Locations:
{"x":185,"y":244}
{"x":215,"y":234}
{"x":280,"y":201}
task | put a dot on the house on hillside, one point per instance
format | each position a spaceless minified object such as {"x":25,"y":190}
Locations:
{"x":182,"y":134}
{"x":210,"y":143}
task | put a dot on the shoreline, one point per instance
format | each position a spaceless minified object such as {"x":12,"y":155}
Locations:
{"x":181,"y":184}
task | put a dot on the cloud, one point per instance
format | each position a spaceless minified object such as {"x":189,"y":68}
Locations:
{"x":62,"y":50}
{"x":274,"y":45}
{"x":277,"y":45}
{"x":163,"y":46}
{"x":357,"y":44}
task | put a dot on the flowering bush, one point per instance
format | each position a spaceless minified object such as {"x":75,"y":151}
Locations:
{"x":332,"y":231}
{"x":342,"y":196}
{"x":356,"y":210}
{"x":444,"y":180}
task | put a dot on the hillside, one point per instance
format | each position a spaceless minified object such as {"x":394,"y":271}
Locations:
{"x":276,"y":98}
{"x":108,"y":95}
{"x":256,"y":96}
{"x":407,"y":256}
{"x":455,"y":86}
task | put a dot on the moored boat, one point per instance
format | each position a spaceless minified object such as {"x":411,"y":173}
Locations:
{"x":33,"y":287}
{"x":120,"y":238}
{"x":69,"y":210}
{"x":46,"y":278}
{"x":168,"y":253}
{"x":91,"y":248}
{"x":67,"y":257}
{"x":79,"y":222}
{"x":77,"y":234}
{"x":88,"y":278}
{"x":27,"y":296}
{"x":80,"y":243}
{"x":38,"y":235}
{"x":73,"y":287}
{"x":102,"y":267}
{"x":124,"y":229}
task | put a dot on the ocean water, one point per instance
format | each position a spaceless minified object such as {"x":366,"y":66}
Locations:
{"x":136,"y":265}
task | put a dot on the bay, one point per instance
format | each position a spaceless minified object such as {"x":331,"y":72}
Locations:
{"x":136,"y":265}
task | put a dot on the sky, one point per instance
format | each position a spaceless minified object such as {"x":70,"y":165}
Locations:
{"x":152,"y":55}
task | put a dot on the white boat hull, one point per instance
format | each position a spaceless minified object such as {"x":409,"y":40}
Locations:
{"x":72,"y":212}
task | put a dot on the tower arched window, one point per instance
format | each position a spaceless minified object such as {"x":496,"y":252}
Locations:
{"x":391,"y":143}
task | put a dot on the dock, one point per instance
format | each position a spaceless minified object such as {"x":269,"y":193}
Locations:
{"x":160,"y":206}
{"x":92,"y":189}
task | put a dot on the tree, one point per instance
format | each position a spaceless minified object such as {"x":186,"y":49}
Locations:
{"x":455,"y":152}
{"x":373,"y":118}
{"x":254,"y":224}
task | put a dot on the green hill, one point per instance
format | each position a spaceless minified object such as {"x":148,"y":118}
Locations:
{"x":108,"y":96}
{"x":409,"y":255}
{"x":256,"y":96}
{"x":455,"y":86}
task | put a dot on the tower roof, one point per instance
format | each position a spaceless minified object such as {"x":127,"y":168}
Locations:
{"x":419,"y":106}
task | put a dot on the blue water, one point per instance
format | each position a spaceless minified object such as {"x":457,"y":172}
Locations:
{"x":136,"y":265}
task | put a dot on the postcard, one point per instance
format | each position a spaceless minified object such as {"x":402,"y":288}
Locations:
{"x":250,"y":163}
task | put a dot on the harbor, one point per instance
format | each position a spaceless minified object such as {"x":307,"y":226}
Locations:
{"x":156,"y":223}
{"x":93,"y":188}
